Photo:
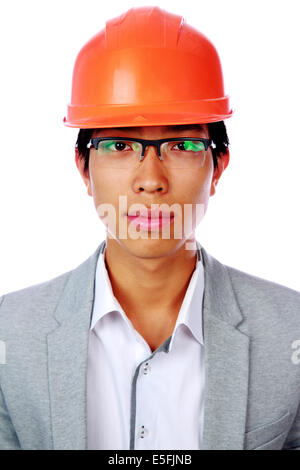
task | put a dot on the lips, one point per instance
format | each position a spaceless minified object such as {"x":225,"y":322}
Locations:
{"x":152,"y":214}
{"x":151,"y":220}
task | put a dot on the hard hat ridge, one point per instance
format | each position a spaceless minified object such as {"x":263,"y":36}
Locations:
{"x":128,"y":29}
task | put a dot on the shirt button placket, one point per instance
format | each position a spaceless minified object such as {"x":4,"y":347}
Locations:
{"x":143,"y":432}
{"x":146,"y":368}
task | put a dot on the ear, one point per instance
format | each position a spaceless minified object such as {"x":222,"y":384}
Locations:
{"x":84,"y":173}
{"x":223,"y":161}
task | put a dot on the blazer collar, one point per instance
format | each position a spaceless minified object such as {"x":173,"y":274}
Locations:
{"x":226,"y":359}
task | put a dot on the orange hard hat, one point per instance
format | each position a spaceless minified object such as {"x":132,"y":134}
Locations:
{"x":147,"y":67}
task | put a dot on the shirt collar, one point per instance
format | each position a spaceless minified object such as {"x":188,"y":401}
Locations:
{"x":105,"y":301}
{"x":190,"y":313}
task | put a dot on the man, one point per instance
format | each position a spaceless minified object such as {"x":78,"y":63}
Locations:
{"x":151,"y":343}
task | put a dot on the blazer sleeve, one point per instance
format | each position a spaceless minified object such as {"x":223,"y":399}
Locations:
{"x":292,"y":441}
{"x":8,"y":437}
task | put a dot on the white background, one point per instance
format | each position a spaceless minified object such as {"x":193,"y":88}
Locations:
{"x":48,"y":222}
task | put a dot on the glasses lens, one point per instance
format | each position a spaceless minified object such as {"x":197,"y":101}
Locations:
{"x":184,"y":154}
{"x":116,"y":153}
{"x":119,"y":153}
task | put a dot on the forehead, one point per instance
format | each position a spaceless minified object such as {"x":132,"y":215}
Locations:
{"x":153,"y":131}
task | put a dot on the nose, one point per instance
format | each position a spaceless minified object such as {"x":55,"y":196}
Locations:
{"x":157,"y":147}
{"x":151,"y":174}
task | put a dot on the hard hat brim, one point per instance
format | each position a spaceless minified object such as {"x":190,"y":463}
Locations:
{"x":155,"y":114}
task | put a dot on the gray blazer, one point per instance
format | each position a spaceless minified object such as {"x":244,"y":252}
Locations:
{"x":251,"y":327}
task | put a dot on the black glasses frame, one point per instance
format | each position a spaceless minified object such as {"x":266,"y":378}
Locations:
{"x":156,"y":143}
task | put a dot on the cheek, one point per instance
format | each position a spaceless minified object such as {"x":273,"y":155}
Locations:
{"x":193,"y":193}
{"x":106,"y":184}
{"x":195,"y":186}
{"x":106,"y":188}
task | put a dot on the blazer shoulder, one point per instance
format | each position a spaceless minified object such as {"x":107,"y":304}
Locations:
{"x":32,"y":306}
{"x":245,"y":281}
{"x":246,"y":284}
{"x":265,"y":302}
{"x":24,"y":303}
{"x":36,"y":290}
{"x":266,"y":307}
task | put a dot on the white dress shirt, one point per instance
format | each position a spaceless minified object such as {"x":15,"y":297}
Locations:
{"x":138,"y":399}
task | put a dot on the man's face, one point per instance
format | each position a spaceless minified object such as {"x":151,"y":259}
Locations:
{"x":184,"y":191}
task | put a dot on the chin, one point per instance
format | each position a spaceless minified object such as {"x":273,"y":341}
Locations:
{"x":151,"y":248}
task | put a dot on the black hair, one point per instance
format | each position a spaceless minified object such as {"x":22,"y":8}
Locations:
{"x":217,"y":132}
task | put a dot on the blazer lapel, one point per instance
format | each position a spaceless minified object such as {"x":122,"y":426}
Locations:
{"x":67,"y":357}
{"x":226,"y":361}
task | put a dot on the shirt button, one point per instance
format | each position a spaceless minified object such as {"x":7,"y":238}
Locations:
{"x":146,"y":368}
{"x":143,"y":432}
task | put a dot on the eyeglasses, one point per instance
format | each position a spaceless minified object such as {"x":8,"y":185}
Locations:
{"x":179,"y":152}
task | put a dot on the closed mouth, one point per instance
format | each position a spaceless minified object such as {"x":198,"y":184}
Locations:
{"x":152,"y":215}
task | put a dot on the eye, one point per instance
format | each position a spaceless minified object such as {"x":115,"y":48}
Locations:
{"x":116,"y":145}
{"x":189,"y":146}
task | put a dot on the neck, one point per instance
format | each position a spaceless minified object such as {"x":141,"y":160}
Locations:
{"x":146,"y":286}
